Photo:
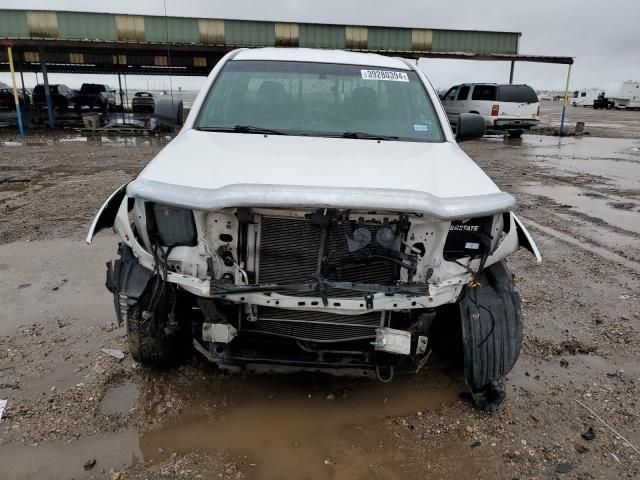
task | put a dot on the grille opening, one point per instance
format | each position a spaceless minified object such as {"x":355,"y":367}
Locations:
{"x":315,"y":326}
{"x":289,"y":253}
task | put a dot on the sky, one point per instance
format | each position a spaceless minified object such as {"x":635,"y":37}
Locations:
{"x":604,"y":37}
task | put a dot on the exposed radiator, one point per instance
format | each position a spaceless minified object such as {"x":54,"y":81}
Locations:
{"x":289,"y":253}
{"x":314,"y":326}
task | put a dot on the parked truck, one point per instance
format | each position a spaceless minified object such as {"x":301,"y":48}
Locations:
{"x":620,"y":95}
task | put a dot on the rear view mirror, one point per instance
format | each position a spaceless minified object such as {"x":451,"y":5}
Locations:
{"x":169,"y":111}
{"x":470,"y":126}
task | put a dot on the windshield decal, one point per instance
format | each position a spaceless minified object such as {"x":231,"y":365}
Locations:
{"x":384,"y":75}
{"x":420,"y":127}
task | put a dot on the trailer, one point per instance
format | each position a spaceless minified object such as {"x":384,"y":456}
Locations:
{"x":620,"y":95}
{"x":585,"y":98}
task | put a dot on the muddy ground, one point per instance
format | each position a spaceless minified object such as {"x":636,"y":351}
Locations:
{"x":70,"y":404}
{"x":598,"y":123}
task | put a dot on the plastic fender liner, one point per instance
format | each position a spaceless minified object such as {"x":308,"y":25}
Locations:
{"x":525,"y":239}
{"x":107,"y":213}
{"x":491,"y":319}
{"x":127,"y":280}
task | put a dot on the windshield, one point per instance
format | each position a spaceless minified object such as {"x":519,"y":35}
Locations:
{"x":320,"y":99}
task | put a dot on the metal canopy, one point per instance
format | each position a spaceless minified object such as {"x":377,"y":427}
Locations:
{"x":193,"y":60}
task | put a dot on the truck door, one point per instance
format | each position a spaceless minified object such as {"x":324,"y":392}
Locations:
{"x":451,"y":105}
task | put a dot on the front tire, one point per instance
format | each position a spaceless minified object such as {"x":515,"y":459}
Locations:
{"x":149,"y":308}
{"x":491,"y":320}
{"x":148,"y":341}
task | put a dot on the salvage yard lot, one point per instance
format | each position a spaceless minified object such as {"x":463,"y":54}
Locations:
{"x":69,"y":403}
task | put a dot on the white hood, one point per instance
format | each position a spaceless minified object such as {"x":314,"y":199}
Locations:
{"x":210,"y":170}
{"x":212,"y":160}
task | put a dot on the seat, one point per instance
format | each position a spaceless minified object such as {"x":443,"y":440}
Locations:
{"x":272,"y":104}
{"x":363,"y":107}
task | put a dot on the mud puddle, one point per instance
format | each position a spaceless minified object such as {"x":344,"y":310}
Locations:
{"x":304,"y":427}
{"x":615,"y":159}
{"x":605,"y":208}
{"x":65,"y":460}
{"x":274,"y":426}
{"x":55,"y":278}
{"x":120,"y":399}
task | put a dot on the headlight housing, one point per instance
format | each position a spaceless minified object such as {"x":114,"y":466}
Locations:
{"x":172,"y":226}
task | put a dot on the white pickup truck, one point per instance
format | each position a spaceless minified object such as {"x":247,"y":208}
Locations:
{"x":316,"y":213}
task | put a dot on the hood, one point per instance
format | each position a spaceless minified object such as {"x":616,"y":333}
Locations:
{"x":210,"y":170}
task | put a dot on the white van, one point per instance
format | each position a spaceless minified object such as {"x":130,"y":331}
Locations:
{"x":510,"y":108}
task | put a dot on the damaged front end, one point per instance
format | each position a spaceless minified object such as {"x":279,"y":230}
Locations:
{"x":349,"y":292}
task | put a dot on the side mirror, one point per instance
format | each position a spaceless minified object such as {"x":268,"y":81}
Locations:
{"x":169,"y":111}
{"x":470,"y":126}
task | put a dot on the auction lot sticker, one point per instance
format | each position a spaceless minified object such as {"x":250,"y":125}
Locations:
{"x":384,"y":75}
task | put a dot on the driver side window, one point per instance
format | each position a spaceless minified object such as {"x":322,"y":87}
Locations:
{"x":452,"y":93}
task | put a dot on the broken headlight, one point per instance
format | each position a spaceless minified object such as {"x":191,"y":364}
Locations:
{"x":473,"y":237}
{"x":172,"y":226}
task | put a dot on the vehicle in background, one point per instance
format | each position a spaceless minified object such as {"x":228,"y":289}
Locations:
{"x":7,"y":102}
{"x":293,"y":225}
{"x":96,"y":96}
{"x":585,"y":98}
{"x":143,"y":102}
{"x":505,"y":107}
{"x":62,"y":97}
{"x":620,"y":95}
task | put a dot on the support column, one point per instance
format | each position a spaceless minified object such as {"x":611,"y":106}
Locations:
{"x":513,"y":64}
{"x":16,"y":98}
{"x":27,"y":110}
{"x":47,"y":93}
{"x":566,"y":99}
{"x":121,"y":97}
{"x":126,"y":90}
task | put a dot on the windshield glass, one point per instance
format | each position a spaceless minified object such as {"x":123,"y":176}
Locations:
{"x":320,"y":99}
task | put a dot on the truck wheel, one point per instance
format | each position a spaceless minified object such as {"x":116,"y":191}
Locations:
{"x":491,"y":320}
{"x":149,"y":344}
{"x":515,"y":133}
{"x":154,"y":340}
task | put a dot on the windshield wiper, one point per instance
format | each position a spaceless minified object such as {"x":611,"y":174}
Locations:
{"x":244,"y":129}
{"x":368,"y":136}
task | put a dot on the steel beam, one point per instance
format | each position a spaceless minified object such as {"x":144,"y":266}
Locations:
{"x":16,"y":97}
{"x":564,"y":103}
{"x":47,"y":93}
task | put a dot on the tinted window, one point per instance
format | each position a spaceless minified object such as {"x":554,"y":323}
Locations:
{"x":91,"y":88}
{"x":464,"y":93}
{"x":320,"y":99}
{"x":451,"y":94}
{"x":517,"y":93}
{"x":484,"y":92}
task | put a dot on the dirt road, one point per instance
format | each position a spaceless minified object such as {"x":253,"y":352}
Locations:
{"x":70,"y":404}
